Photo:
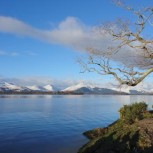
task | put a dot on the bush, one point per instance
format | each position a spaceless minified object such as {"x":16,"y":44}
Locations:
{"x":134,"y":112}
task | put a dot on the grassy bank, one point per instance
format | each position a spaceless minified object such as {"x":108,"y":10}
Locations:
{"x":132,"y":133}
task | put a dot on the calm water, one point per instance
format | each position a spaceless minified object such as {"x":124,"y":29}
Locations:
{"x":54,"y":124}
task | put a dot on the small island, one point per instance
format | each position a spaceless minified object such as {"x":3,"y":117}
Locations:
{"x":131,"y":133}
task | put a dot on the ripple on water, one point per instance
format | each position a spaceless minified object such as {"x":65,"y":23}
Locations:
{"x":54,"y":124}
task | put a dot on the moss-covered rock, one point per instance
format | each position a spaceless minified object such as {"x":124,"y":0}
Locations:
{"x":121,"y":137}
{"x":95,"y":133}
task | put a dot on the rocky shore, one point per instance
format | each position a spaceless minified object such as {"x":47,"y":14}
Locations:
{"x":123,"y":137}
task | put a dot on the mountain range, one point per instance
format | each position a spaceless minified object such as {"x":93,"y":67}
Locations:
{"x":10,"y":87}
{"x":80,"y":88}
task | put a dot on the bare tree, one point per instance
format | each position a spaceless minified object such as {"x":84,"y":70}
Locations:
{"x":129,"y":54}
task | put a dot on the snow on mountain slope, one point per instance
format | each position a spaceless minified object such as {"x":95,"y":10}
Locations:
{"x":78,"y":86}
{"x":50,"y":88}
{"x":139,"y":89}
{"x":125,"y":89}
{"x":90,"y":89}
{"x":10,"y":86}
{"x":98,"y":90}
{"x":35,"y":88}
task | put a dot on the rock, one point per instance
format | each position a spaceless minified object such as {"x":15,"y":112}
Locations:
{"x":92,"y":134}
{"x":121,"y":138}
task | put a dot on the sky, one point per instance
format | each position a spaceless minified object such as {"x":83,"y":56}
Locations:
{"x":40,"y":41}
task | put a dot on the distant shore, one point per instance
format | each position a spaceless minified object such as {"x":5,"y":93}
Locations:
{"x":39,"y":93}
{"x":61,"y":93}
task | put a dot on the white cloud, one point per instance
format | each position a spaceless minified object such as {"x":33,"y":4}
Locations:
{"x":5,"y":53}
{"x":2,"y":53}
{"x":70,"y":32}
{"x":30,"y":53}
{"x":73,"y":33}
{"x":17,"y":27}
{"x":14,"y":54}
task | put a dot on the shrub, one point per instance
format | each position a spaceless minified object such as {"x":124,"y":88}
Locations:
{"x":134,"y":112}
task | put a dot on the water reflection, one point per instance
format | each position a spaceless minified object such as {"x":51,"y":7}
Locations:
{"x":47,"y":123}
{"x":26,"y":96}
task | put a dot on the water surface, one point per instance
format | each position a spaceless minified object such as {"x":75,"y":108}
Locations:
{"x":54,"y":124}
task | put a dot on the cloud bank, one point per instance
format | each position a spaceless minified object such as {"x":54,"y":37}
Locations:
{"x":73,"y":33}
{"x":70,"y":32}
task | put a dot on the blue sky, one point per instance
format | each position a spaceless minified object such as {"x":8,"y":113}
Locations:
{"x":36,"y":39}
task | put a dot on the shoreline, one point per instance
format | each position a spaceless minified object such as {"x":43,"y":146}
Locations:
{"x":67,"y":93}
{"x":131,"y":133}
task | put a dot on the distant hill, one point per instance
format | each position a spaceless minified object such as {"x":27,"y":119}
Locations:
{"x":88,"y":89}
{"x":10,"y":87}
{"x":80,"y":88}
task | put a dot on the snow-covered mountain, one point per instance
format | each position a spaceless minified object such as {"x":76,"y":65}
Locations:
{"x":90,"y":89}
{"x":35,"y":88}
{"x":81,"y":88}
{"x":50,"y":88}
{"x":78,"y":87}
{"x":10,"y":87}
{"x":134,"y":90}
